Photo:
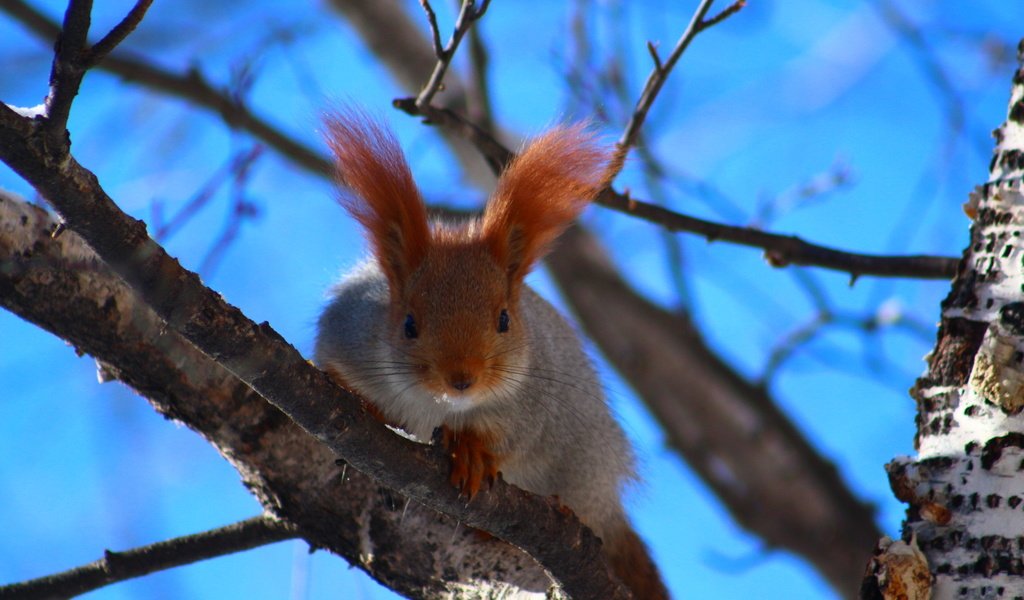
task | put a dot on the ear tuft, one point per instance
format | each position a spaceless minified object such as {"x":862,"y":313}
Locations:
{"x":380,"y":192}
{"x":540,"y":193}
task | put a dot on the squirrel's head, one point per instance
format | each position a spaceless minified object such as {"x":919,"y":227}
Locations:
{"x":454,"y":318}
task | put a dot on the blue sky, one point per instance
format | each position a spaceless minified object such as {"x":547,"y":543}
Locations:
{"x":758,"y":107}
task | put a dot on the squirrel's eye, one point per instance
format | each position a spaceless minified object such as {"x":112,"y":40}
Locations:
{"x":410,"y":327}
{"x":503,"y":321}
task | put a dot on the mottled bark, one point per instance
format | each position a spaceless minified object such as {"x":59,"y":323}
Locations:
{"x":965,"y":487}
{"x":60,"y":285}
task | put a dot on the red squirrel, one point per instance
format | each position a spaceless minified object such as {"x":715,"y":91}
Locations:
{"x":438,"y":329}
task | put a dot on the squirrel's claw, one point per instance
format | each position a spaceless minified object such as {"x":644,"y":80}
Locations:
{"x":473,"y":462}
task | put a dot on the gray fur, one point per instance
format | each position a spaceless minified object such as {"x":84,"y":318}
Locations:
{"x":561,"y":437}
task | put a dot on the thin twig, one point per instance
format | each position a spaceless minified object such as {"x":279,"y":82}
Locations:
{"x":467,"y":16}
{"x":119,"y":566}
{"x":117,"y":35}
{"x":435,"y":32}
{"x":659,"y":74}
{"x":239,"y":163}
{"x":241,"y":210}
{"x":652,"y":49}
{"x":191,"y":86}
{"x":780,"y":250}
{"x":725,"y":14}
{"x":496,"y":155}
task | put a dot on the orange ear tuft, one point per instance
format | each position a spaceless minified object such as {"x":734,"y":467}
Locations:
{"x":540,"y":193}
{"x":383,"y":196}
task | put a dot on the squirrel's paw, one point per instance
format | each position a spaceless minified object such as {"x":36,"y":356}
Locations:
{"x":473,"y":463}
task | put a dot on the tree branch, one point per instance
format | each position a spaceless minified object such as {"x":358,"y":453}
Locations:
{"x":780,"y":250}
{"x":258,"y":356}
{"x":191,"y":86}
{"x":468,"y":15}
{"x":390,"y":33}
{"x":658,"y":76}
{"x":117,"y":35}
{"x":785,"y":250}
{"x":58,"y":283}
{"x":119,"y":566}
{"x":67,"y":70}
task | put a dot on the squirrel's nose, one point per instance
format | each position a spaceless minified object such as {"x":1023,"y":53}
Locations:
{"x":461,"y":381}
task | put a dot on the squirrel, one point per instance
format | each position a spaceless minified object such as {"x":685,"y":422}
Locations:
{"x":438,"y":330}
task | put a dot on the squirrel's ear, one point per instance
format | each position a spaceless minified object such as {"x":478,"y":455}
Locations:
{"x":379,"y":192}
{"x":540,"y":193}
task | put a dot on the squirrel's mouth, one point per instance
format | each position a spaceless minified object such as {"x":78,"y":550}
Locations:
{"x":457,"y":402}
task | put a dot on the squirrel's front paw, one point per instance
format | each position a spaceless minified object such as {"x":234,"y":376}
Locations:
{"x":473,"y":462}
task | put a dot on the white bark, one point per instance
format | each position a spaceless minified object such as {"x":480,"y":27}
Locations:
{"x":965,"y":487}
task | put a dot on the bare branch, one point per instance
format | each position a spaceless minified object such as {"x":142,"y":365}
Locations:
{"x":659,"y":75}
{"x":68,"y":68}
{"x":467,"y":16}
{"x":258,"y":356}
{"x":242,"y":209}
{"x":725,"y":14}
{"x":496,"y":155}
{"x":191,"y":86}
{"x":239,"y":164}
{"x":117,"y":35}
{"x":388,"y":30}
{"x":780,"y":250}
{"x":931,"y":67}
{"x":785,"y":250}
{"x":119,"y":566}
{"x":60,"y":284}
{"x":434,"y":31}
{"x":652,"y":49}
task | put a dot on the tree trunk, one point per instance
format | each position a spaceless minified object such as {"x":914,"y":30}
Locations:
{"x":965,"y":488}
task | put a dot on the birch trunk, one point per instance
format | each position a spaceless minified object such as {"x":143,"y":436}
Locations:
{"x":965,"y":487}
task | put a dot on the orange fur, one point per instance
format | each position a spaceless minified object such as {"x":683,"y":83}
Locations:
{"x":473,"y":460}
{"x":540,"y":193}
{"x":631,"y":562}
{"x":384,"y":198}
{"x":456,"y":285}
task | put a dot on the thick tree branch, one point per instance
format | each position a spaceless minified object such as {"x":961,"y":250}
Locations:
{"x":119,"y":566}
{"x":258,"y":356}
{"x":58,"y":283}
